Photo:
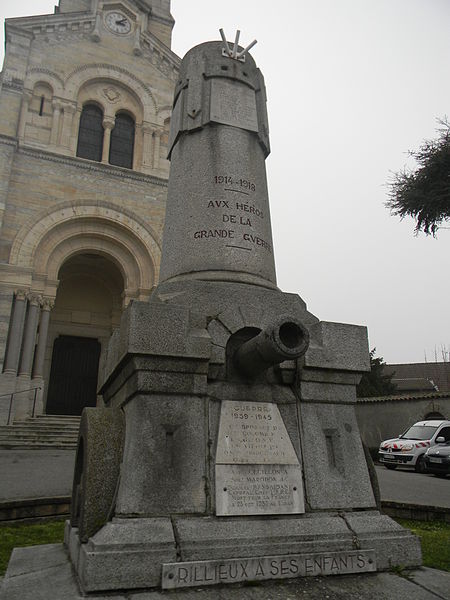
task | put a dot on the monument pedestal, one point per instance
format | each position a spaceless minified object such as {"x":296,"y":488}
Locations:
{"x":171,"y":371}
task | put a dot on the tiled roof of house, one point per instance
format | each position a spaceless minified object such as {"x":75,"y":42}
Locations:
{"x":406,"y":397}
{"x":420,"y":376}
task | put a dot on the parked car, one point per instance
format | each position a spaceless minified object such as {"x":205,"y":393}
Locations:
{"x":437,"y":458}
{"x":408,"y":450}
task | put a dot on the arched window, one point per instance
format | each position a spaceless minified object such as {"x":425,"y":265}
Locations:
{"x":122,"y":142}
{"x":90,"y":135}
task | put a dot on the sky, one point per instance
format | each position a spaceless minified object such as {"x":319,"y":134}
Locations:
{"x":352,"y":85}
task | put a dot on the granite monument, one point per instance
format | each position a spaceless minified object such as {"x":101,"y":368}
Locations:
{"x":228,"y":448}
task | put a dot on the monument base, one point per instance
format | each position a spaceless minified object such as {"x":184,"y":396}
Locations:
{"x":197,"y":551}
{"x":46,"y":572}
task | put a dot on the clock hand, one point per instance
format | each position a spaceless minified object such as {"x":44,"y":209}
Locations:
{"x":121,"y":22}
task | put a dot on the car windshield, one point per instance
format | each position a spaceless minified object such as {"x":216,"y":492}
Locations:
{"x":419,"y":432}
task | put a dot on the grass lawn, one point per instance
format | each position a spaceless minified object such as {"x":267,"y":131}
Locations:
{"x":12,"y":536}
{"x":435,"y":538}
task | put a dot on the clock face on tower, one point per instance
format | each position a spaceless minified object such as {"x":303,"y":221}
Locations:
{"x":118,"y":23}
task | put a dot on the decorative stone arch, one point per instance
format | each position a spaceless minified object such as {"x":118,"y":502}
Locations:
{"x":42,"y":133}
{"x":40,"y":75}
{"x":69,"y":242}
{"x":138,"y":100}
{"x":123,"y":78}
{"x":96,"y":91}
{"x":104,"y":228}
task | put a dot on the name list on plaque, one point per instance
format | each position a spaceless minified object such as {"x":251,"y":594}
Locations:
{"x":257,"y":469}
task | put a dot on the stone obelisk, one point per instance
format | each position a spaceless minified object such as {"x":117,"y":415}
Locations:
{"x":217,"y":219}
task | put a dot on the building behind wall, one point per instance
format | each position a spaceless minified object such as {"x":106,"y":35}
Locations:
{"x":422,"y":393}
{"x":85,"y":100}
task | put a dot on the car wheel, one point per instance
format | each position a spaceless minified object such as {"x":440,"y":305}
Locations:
{"x":420,"y":465}
{"x":391,"y":467}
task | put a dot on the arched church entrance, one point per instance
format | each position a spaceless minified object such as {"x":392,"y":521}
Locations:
{"x":87,"y":309}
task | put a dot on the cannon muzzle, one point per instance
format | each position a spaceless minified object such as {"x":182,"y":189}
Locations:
{"x":285,"y":339}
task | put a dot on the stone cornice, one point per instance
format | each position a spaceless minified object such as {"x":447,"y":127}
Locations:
{"x":162,"y":49}
{"x":8,"y":140}
{"x":23,"y":24}
{"x":15,"y":85}
{"x":87,"y":165}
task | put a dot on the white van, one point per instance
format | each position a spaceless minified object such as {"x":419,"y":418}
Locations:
{"x":409,"y":448}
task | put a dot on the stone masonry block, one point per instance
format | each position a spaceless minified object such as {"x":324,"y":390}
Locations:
{"x":332,"y":447}
{"x":338,"y":346}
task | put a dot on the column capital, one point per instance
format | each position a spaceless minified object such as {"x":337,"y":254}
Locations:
{"x":34,"y":299}
{"x":21,"y":294}
{"x":69,"y":108}
{"x":57,"y":104}
{"x":109,"y":122}
{"x":147,"y":128}
{"x":48,"y":304}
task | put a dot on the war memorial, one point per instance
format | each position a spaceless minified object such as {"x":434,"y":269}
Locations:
{"x":227,"y":456}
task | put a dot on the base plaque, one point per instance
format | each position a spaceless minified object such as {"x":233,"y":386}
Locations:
{"x":234,"y":570}
{"x":257,"y":469}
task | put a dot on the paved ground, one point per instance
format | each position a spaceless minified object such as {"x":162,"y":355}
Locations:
{"x":48,"y":473}
{"x":413,"y":488}
{"x":45,"y":573}
{"x":35,"y":473}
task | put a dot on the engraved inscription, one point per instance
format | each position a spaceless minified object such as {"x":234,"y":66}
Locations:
{"x":229,"y":218}
{"x":233,"y":104}
{"x":245,"y":184}
{"x":259,"y":489}
{"x":233,"y":570}
{"x":253,"y":433}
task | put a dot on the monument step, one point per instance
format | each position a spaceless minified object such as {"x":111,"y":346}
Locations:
{"x":44,"y":431}
{"x":37,"y":446}
{"x":44,"y":427}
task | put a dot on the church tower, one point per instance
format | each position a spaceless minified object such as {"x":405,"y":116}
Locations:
{"x":85,"y":100}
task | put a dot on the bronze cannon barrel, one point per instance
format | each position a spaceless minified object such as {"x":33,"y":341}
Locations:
{"x":284,"y":339}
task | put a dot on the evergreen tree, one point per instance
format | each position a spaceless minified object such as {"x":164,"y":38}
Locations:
{"x":424,"y":194}
{"x":375,"y":383}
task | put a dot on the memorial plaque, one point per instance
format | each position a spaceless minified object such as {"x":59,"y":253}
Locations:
{"x":253,"y":433}
{"x":233,"y":570}
{"x":257,"y":469}
{"x":233,"y":104}
{"x":259,"y":489}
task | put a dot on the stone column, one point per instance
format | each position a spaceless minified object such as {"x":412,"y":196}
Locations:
{"x":137,"y":50}
{"x":38,"y":369}
{"x":55,"y":122}
{"x":95,"y":35}
{"x":147,"y":145}
{"x":15,"y":332}
{"x":29,"y":336}
{"x":74,"y":132}
{"x":108,"y":125}
{"x":26,"y":99}
{"x":66,"y":130}
{"x":156,"y":145}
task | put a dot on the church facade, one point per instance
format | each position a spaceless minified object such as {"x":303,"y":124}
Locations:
{"x":86,"y":98}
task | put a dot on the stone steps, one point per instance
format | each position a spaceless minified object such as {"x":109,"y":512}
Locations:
{"x":44,"y":431}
